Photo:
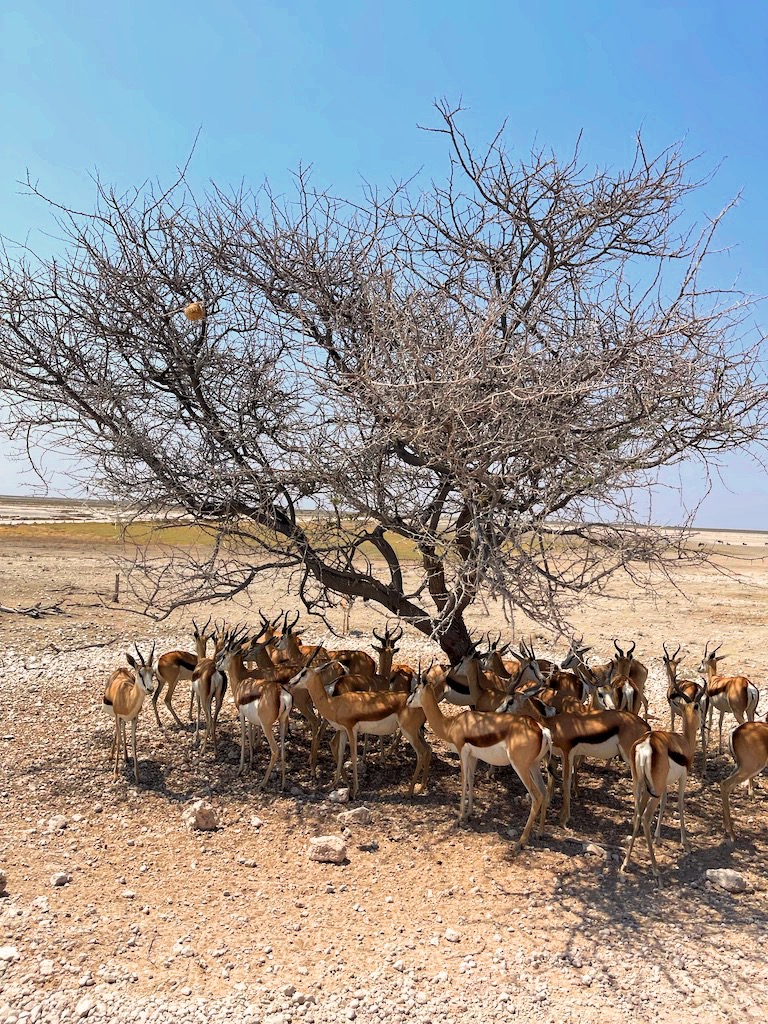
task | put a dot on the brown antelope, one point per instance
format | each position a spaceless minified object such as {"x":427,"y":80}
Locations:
{"x":736,"y":694}
{"x":620,"y":693}
{"x":352,"y":714}
{"x":209,"y":684}
{"x":682,"y":691}
{"x":123,"y":699}
{"x":600,"y":734}
{"x":749,"y":748}
{"x":497,"y":739}
{"x":283,"y":673}
{"x":596,"y":676}
{"x":399,"y":676}
{"x":466,"y":682}
{"x":178,"y":665}
{"x":635,"y":672}
{"x":659,"y":760}
{"x":259,"y":700}
{"x":493,"y":660}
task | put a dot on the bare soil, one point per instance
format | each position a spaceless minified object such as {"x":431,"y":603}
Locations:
{"x":159,"y":922}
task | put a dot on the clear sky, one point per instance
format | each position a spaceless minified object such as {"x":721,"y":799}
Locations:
{"x":123,"y":88}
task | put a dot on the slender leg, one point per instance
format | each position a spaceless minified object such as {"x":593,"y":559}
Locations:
{"x":135,"y":755}
{"x":720,"y":741}
{"x":727,"y":786}
{"x":341,"y":738}
{"x":651,"y":806}
{"x":681,"y":810}
{"x":125,"y":745}
{"x":156,"y":697}
{"x":662,"y":809}
{"x":471,"y":768}
{"x":241,"y":769}
{"x":565,"y":813}
{"x":463,"y":785}
{"x":353,"y":750}
{"x":285,"y":712}
{"x":168,"y":698}
{"x":273,"y":752}
{"x":641,"y":799}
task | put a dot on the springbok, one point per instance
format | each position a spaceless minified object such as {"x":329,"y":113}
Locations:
{"x":749,"y":747}
{"x":736,"y":694}
{"x":497,"y":739}
{"x":123,"y":699}
{"x":176,"y":665}
{"x":658,"y":760}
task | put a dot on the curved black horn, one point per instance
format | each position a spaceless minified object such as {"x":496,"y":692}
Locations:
{"x":631,"y":649}
{"x":382,"y":639}
{"x":666,"y":652}
{"x":616,"y":645}
{"x":141,"y":656}
{"x":713,"y":652}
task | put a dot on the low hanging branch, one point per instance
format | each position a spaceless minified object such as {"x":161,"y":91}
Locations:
{"x":472,"y":383}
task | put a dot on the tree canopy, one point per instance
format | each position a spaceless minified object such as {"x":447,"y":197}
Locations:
{"x":479,"y":375}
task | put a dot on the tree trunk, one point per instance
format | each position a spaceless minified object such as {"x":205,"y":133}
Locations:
{"x":455,"y":641}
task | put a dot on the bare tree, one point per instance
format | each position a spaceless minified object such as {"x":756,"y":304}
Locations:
{"x":473,"y":383}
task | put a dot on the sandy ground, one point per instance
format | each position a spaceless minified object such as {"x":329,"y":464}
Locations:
{"x":158,"y":922}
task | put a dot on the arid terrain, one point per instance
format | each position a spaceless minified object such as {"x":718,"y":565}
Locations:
{"x":425,"y":921}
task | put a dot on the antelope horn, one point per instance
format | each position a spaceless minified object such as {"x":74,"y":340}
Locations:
{"x":293,"y":624}
{"x":631,"y":649}
{"x":275,"y":621}
{"x":382,"y":639}
{"x":716,"y":649}
{"x":679,"y":646}
{"x":621,"y":653}
{"x":141,"y":656}
{"x":312,"y":656}
{"x":397,"y":634}
{"x":666,"y":652}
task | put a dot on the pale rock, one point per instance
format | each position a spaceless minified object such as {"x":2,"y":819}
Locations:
{"x":200,"y":816}
{"x":41,"y":903}
{"x":60,"y":878}
{"x":451,"y":935}
{"x":56,"y":823}
{"x":356,"y":816}
{"x":728,"y":879}
{"x":8,"y":953}
{"x":339,"y":796}
{"x":3,"y":881}
{"x":595,"y":851}
{"x":46,"y":968}
{"x":84,"y":1007}
{"x":256,"y":822}
{"x":327,"y":849}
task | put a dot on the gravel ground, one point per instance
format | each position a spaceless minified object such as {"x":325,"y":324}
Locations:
{"x":424,"y":921}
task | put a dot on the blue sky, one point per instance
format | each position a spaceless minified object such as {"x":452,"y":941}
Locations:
{"x":123,"y":88}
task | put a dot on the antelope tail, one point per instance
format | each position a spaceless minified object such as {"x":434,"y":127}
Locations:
{"x":643,"y":761}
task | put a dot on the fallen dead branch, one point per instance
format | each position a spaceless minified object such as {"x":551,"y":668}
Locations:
{"x":35,"y":611}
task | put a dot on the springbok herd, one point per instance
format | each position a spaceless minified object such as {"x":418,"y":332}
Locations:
{"x":519,"y":711}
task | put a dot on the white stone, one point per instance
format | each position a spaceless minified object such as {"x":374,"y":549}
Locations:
{"x":728,"y":879}
{"x":57,"y":822}
{"x":8,"y":953}
{"x":356,"y":816}
{"x":46,"y":968}
{"x":339,"y":796}
{"x":84,"y":1007}
{"x":60,"y":878}
{"x":256,"y":822}
{"x":201,"y":816}
{"x":451,"y":935}
{"x":3,"y":881}
{"x":327,"y":849}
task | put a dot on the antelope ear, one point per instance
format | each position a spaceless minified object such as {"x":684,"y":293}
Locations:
{"x":131,"y":660}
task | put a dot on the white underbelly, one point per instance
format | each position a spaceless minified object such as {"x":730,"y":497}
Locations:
{"x":384,"y":727}
{"x":462,"y":700}
{"x":602,"y":751}
{"x":495,"y":754}
{"x":720,"y":702}
{"x":675,"y":772}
